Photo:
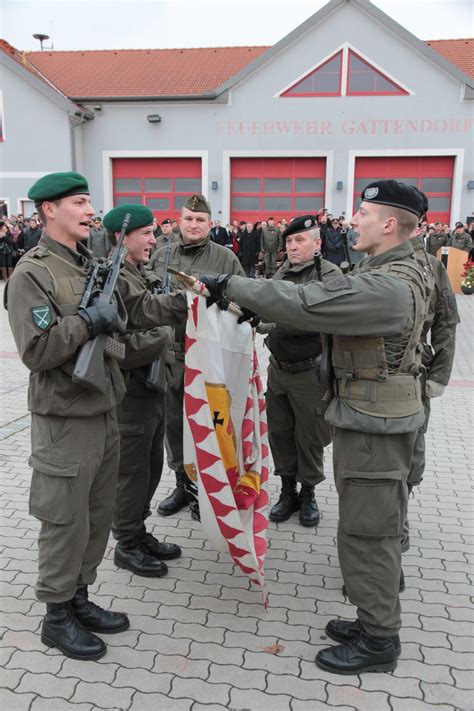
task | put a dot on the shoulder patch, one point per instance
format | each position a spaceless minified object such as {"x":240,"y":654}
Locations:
{"x":338,"y":283}
{"x":42,"y":316}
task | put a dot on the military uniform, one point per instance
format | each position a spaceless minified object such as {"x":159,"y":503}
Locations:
{"x":161,"y":241}
{"x":436,"y":240}
{"x":460,"y":240}
{"x":295,"y":402}
{"x":376,"y":318}
{"x":74,"y":431}
{"x":141,"y":417}
{"x":437,"y":354}
{"x":270,"y":245}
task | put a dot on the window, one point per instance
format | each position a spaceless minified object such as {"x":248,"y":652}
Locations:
{"x":363,"y":79}
{"x":345,"y":73}
{"x":325,"y":80}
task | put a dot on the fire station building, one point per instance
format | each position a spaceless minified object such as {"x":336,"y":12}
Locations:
{"x":348,"y":97}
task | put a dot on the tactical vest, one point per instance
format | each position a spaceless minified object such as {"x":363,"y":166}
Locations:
{"x":377,"y":376}
{"x":66,"y":398}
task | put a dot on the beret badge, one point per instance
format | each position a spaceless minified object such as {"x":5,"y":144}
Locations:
{"x":370,"y":193}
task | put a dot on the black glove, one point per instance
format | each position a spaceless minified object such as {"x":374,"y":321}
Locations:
{"x":100,"y":317}
{"x":249,"y":316}
{"x":216,"y":286}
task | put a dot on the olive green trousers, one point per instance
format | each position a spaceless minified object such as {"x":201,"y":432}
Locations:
{"x":75,"y":462}
{"x":297,"y":430}
{"x":371,"y":474}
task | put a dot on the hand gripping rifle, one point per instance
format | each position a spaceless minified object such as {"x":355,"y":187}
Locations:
{"x":323,"y":363}
{"x":156,"y":376}
{"x":89,"y":368}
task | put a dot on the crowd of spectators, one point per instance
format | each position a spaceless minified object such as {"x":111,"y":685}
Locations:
{"x":244,"y":238}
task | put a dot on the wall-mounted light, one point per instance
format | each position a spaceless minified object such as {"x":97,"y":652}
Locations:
{"x":339,"y":185}
{"x":214,"y":185}
{"x":470,"y":184}
{"x":153,"y":118}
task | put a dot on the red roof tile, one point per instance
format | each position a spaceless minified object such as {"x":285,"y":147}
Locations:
{"x":167,"y":72}
{"x":459,"y":52}
{"x":143,"y":72}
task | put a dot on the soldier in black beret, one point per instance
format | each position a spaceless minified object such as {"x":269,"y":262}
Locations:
{"x":375,"y":317}
{"x":297,"y":430}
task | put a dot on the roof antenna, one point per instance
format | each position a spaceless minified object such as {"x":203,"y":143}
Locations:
{"x":41,"y":37}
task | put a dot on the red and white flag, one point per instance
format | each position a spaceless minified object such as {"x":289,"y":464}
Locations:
{"x":225,"y":434}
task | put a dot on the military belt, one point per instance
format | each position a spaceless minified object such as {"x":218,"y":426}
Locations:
{"x":396,"y":389}
{"x":294,"y":367}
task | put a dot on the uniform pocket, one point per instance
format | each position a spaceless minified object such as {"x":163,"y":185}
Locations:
{"x":53,"y":495}
{"x":371,"y":503}
{"x":132,"y":446}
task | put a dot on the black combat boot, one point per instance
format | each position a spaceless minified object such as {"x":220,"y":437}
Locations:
{"x":62,"y":630}
{"x":138,"y":561}
{"x":364,"y":654}
{"x":162,"y":551}
{"x":177,"y":500}
{"x":288,"y":502}
{"x":401,"y":587}
{"x":94,"y":618}
{"x":345,"y":631}
{"x":309,"y":512}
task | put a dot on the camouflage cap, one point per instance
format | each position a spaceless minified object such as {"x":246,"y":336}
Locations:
{"x":197,"y":203}
{"x":140,"y":216}
{"x":55,"y":186}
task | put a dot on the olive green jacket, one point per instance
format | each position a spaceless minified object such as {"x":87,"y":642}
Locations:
{"x":48,"y":332}
{"x":461,"y":241}
{"x":290,"y":344}
{"x":145,"y":346}
{"x":441,"y":319}
{"x":370,"y":303}
{"x":204,"y":257}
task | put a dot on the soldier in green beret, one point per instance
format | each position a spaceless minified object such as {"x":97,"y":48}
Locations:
{"x":195,"y":254}
{"x":74,"y":432}
{"x":375,"y":316}
{"x":142,"y":412}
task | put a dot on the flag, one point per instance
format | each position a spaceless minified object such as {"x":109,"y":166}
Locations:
{"x":225,"y":434}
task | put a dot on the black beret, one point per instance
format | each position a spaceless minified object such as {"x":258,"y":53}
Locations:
{"x":459,"y":224}
{"x":58,"y":185}
{"x":395,"y":194}
{"x":300,"y":224}
{"x":166,"y":222}
{"x":140,"y":216}
{"x":197,"y":203}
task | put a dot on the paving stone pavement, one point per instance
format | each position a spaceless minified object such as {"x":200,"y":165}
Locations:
{"x":200,"y":639}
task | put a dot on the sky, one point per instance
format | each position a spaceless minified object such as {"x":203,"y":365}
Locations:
{"x":127,"y":24}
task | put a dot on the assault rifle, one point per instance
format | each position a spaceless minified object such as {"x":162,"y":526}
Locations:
{"x":323,"y":362}
{"x":156,"y":376}
{"x":89,"y":368}
{"x":346,"y":265}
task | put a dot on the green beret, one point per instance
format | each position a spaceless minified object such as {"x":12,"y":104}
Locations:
{"x":395,"y":194}
{"x":300,"y":224}
{"x":197,"y":203}
{"x":58,"y":185}
{"x":140,"y":216}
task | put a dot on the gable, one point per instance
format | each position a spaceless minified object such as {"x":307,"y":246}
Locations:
{"x":347,"y":72}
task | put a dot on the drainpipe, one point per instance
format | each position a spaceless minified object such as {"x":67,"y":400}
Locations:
{"x":77,"y":119}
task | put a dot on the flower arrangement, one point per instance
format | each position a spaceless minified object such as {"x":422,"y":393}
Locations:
{"x":467,"y":280}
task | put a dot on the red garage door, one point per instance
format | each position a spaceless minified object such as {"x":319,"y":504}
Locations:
{"x":433,"y":175}
{"x":276,"y":187}
{"x":162,"y":184}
